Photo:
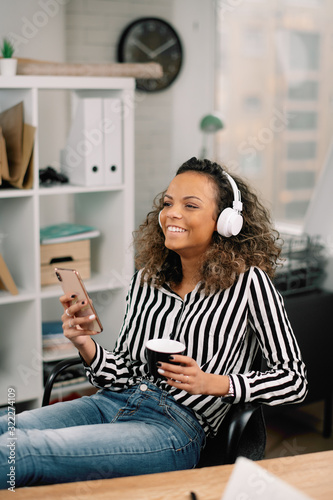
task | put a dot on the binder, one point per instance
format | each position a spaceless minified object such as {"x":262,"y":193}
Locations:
{"x":112,"y":120}
{"x":82,"y":160}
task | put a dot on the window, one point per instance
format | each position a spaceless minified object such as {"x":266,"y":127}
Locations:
{"x":300,"y":180}
{"x":273,"y":87}
{"x":301,"y":150}
{"x":302,"y":120}
{"x":304,"y":50}
{"x":304,"y":91}
{"x":252,"y":104}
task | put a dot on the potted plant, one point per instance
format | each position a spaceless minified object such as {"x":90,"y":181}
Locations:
{"x":8,"y":64}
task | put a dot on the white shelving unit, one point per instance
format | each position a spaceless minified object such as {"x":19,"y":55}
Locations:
{"x":23,"y":212}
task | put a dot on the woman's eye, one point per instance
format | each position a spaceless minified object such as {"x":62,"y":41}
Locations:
{"x":166,"y":204}
{"x":191,"y":206}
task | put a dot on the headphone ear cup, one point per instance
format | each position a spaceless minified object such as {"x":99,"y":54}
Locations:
{"x":229,"y":223}
{"x":159,"y":219}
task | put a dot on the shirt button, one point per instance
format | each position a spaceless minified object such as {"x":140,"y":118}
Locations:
{"x":143,"y":387}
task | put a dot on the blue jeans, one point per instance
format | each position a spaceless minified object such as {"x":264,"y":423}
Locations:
{"x":141,"y":430}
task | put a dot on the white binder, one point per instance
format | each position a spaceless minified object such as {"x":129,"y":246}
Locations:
{"x":82,"y":159}
{"x":112,"y":109}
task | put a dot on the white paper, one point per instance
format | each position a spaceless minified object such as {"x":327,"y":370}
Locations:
{"x":249,"y":481}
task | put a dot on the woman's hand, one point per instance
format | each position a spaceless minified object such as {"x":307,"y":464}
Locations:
{"x":189,"y":377}
{"x":76,"y":328}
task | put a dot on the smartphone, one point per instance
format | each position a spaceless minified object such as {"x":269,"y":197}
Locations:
{"x":71,"y":283}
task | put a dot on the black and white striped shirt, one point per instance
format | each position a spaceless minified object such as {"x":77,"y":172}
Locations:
{"x":221,"y":331}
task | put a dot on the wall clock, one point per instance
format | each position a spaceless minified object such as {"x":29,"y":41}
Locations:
{"x":151,"y":39}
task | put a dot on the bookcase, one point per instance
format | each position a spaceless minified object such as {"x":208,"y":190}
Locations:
{"x":23,"y":211}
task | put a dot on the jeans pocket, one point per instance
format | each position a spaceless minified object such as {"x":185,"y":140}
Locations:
{"x":184,"y":421}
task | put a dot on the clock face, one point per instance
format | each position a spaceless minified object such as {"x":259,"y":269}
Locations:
{"x":152,"y":40}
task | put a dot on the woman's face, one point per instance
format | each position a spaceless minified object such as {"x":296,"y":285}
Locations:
{"x":189,"y":215}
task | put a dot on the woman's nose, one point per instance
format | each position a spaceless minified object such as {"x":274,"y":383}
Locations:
{"x":174,"y":212}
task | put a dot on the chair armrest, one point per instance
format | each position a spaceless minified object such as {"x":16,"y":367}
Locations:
{"x":246,"y":430}
{"x":242,"y":432}
{"x":59,"y":368}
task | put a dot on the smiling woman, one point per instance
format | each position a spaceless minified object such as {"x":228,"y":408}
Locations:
{"x":224,"y":258}
{"x":208,"y":291}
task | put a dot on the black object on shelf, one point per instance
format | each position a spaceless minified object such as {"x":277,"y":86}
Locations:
{"x":49,"y":176}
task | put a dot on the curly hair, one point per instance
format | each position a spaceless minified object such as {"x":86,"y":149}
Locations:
{"x":255,"y":245}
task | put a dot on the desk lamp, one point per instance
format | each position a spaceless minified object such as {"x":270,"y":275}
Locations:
{"x":209,"y":124}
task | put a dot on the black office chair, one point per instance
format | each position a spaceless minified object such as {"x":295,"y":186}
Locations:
{"x":242,"y":433}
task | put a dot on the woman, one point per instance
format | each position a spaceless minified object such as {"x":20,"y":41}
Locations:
{"x":208,"y":290}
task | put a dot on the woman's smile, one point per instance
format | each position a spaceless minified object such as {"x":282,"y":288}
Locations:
{"x":176,"y":229}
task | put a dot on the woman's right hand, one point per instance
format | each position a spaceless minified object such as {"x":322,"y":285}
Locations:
{"x":75,"y":328}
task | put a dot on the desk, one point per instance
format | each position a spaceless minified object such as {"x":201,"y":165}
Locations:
{"x":311,"y":473}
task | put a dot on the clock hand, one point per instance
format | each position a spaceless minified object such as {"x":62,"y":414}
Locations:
{"x":143,"y":47}
{"x":163,"y":47}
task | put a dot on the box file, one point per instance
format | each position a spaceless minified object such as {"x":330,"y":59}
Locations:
{"x":93,"y":152}
{"x":112,"y":109}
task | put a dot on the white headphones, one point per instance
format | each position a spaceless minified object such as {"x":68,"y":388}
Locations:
{"x":230,"y":220}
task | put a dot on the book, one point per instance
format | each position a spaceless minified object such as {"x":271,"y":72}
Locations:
{"x":66,"y":232}
{"x":54,"y":342}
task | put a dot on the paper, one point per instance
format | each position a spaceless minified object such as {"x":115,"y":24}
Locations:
{"x":11,"y":121}
{"x":25,"y":177}
{"x":6,"y":280}
{"x":249,"y":481}
{"x":4,"y":172}
{"x":16,"y":148}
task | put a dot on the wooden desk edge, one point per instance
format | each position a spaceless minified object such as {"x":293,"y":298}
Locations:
{"x":310,"y":473}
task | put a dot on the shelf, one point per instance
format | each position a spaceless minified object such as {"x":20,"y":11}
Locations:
{"x":59,"y":355}
{"x":97,"y":283}
{"x":66,"y":82}
{"x":23,"y":296}
{"x":16,"y":193}
{"x":49,"y":105}
{"x":70,"y":189}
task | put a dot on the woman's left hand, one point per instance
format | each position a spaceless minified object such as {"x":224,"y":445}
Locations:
{"x":187,"y":376}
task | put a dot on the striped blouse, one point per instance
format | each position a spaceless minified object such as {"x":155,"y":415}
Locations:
{"x":221,"y":331}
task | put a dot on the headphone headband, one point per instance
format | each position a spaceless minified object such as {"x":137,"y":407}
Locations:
{"x":236,"y":204}
{"x":230,"y":220}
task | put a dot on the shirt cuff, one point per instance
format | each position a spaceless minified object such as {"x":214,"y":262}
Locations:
{"x":96,"y":362}
{"x":241,"y":390}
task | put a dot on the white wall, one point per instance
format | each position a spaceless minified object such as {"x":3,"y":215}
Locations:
{"x":35,"y":26}
{"x":167,"y":122}
{"x":193,"y":95}
{"x":37,"y":29}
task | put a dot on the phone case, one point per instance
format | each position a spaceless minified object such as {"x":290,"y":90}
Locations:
{"x":71,"y":283}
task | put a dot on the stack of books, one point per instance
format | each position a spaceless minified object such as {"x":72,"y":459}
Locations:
{"x":55,"y":345}
{"x":66,"y":232}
